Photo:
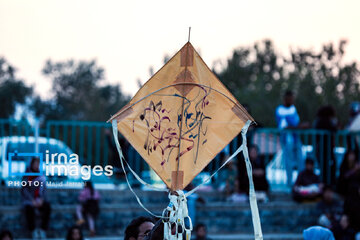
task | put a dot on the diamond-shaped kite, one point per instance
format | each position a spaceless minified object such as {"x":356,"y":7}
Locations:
{"x":181,"y":118}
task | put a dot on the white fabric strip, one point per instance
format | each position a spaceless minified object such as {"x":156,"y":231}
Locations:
{"x":243,"y":147}
{"x":122,"y":159}
{"x":252,"y":195}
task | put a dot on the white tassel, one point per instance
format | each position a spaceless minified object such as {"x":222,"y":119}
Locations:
{"x":176,"y":213}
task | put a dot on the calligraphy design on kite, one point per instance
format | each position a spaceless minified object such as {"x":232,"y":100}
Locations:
{"x":161,"y":136}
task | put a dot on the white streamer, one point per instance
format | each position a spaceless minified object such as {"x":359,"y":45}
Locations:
{"x":177,"y":212}
{"x":252,"y":195}
{"x":122,"y":159}
{"x":178,"y":203}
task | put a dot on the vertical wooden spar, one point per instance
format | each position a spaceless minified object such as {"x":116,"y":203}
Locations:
{"x":182,"y":114}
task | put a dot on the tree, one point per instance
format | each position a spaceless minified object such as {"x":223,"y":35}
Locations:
{"x":258,"y":76}
{"x":79,"y":93}
{"x":13,"y":91}
{"x":323,"y":79}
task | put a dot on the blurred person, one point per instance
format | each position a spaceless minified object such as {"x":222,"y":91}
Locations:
{"x":318,"y":233}
{"x":89,"y":206}
{"x":353,"y":138}
{"x":250,"y":136}
{"x":352,"y":200}
{"x":139,"y":228}
{"x":201,"y":232}
{"x":238,"y":196}
{"x":349,"y":170}
{"x":288,"y":118}
{"x":353,"y":113}
{"x":326,"y":120}
{"x":307,"y":185}
{"x":157,"y":232}
{"x":330,"y":208}
{"x":6,"y":235}
{"x":227,"y":176}
{"x":342,"y":230}
{"x":357,"y":236}
{"x":114,"y":155}
{"x":74,"y":233}
{"x":34,"y":201}
{"x":261,"y":184}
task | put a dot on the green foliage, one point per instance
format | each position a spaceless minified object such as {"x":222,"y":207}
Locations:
{"x":258,"y":76}
{"x":79,"y":93}
{"x":12,"y":90}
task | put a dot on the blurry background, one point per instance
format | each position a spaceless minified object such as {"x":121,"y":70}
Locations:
{"x":66,"y":66}
{"x":48,"y":42}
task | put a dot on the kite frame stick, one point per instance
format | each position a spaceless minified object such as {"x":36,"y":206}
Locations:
{"x":189,"y":34}
{"x":182,"y":114}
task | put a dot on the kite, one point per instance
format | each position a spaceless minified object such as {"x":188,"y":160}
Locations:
{"x":178,"y":121}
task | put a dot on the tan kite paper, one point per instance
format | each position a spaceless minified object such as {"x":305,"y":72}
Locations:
{"x":181,"y":118}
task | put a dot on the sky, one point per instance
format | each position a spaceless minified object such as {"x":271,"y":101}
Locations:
{"x":128,"y":37}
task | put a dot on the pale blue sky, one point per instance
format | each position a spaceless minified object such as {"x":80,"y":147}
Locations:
{"x":127,"y":37}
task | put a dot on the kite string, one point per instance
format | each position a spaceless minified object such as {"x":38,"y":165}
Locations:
{"x":122,"y":159}
{"x":245,"y":128}
{"x":212,"y":175}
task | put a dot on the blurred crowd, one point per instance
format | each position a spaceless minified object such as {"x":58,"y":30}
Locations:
{"x":337,"y":193}
{"x":338,"y":198}
{"x":37,"y":208}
